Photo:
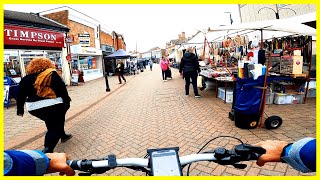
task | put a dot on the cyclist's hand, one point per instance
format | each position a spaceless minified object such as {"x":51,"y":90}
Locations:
{"x":274,"y":149}
{"x":58,"y":164}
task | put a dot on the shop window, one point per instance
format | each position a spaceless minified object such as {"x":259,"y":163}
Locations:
{"x":56,"y":58}
{"x":87,"y":62}
{"x":11,"y":66}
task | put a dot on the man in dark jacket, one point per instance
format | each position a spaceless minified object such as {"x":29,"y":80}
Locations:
{"x":120,"y":69}
{"x":190,"y":67}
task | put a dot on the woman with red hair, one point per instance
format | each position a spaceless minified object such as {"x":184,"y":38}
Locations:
{"x":46,"y":97}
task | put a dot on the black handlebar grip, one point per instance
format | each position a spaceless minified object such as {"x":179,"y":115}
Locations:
{"x":255,"y":156}
{"x":256,"y":149}
{"x":73,"y":164}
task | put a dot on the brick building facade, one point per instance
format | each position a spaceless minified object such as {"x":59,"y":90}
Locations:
{"x":84,"y":41}
{"x":106,"y":38}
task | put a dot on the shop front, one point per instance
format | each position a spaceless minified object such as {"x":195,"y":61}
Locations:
{"x":88,"y":61}
{"x":22,"y":44}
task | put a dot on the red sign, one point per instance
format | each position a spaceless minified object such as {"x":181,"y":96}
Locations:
{"x":68,"y":57}
{"x":17,"y":35}
{"x":69,"y":39}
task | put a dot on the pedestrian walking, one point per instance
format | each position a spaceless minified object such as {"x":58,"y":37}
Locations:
{"x":144,"y":64}
{"x":120,"y":70}
{"x":46,"y":97}
{"x":164,"y":64}
{"x":150,"y":64}
{"x":133,"y":67}
{"x":189,"y":66}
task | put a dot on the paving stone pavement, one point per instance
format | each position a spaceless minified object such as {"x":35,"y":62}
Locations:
{"x":148,"y":113}
{"x":18,"y":130}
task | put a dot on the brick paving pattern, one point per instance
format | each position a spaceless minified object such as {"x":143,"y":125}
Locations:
{"x":148,"y":113}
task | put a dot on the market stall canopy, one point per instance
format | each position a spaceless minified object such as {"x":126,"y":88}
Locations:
{"x":119,"y":54}
{"x":134,"y":55}
{"x":271,"y":28}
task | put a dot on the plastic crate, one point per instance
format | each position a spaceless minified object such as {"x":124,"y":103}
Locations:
{"x":297,"y":98}
{"x":281,"y":98}
{"x":221,"y":94}
{"x":312,"y":93}
{"x":269,"y":98}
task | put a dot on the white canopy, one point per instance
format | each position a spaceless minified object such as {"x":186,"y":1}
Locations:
{"x":271,"y":28}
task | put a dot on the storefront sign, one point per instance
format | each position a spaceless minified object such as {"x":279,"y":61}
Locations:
{"x":75,"y":79}
{"x":69,"y":39}
{"x":7,"y":84}
{"x":69,"y":58}
{"x":91,"y":72}
{"x":77,"y":49}
{"x":17,"y":35}
{"x":84,"y":40}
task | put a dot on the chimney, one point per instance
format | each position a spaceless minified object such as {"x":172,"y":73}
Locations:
{"x":183,"y":36}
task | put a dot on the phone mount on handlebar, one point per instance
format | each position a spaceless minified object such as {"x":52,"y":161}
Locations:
{"x":164,"y":162}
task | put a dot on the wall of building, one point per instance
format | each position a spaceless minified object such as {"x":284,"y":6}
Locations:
{"x":77,"y":28}
{"x":106,"y":38}
{"x":60,"y":17}
{"x":249,"y":12}
{"x":120,"y":44}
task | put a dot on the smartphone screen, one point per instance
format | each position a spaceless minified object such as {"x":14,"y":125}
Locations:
{"x":165,"y":163}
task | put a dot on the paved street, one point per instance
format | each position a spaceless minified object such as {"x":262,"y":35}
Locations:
{"x":148,"y":113}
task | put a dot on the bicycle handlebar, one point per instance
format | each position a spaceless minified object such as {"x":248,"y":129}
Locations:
{"x":222,"y":156}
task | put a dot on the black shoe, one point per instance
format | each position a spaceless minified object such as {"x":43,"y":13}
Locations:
{"x":46,"y":150}
{"x":66,"y":138}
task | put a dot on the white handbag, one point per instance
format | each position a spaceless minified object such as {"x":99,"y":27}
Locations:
{"x":199,"y":82}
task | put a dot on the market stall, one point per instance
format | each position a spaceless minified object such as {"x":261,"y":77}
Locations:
{"x":246,"y":50}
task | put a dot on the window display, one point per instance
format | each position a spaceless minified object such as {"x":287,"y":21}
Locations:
{"x":56,"y":58}
{"x":11,"y":65}
{"x":87,"y":62}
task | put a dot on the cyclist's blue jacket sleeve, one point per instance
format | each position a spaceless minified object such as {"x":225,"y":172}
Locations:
{"x":25,"y":163}
{"x":301,"y":155}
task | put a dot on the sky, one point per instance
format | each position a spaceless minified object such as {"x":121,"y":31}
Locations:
{"x":148,"y":26}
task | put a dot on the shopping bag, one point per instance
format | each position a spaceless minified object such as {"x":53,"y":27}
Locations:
{"x":168,"y":73}
{"x":199,"y":82}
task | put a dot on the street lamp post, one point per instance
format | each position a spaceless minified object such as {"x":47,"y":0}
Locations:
{"x":106,"y":76}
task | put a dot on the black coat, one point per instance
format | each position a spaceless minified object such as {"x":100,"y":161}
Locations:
{"x":28,"y":93}
{"x":189,"y":63}
{"x":121,"y":69}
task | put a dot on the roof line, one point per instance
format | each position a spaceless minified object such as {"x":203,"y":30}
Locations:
{"x":69,"y":8}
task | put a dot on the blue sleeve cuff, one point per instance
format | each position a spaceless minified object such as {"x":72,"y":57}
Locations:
{"x":41,"y":161}
{"x":293,"y":158}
